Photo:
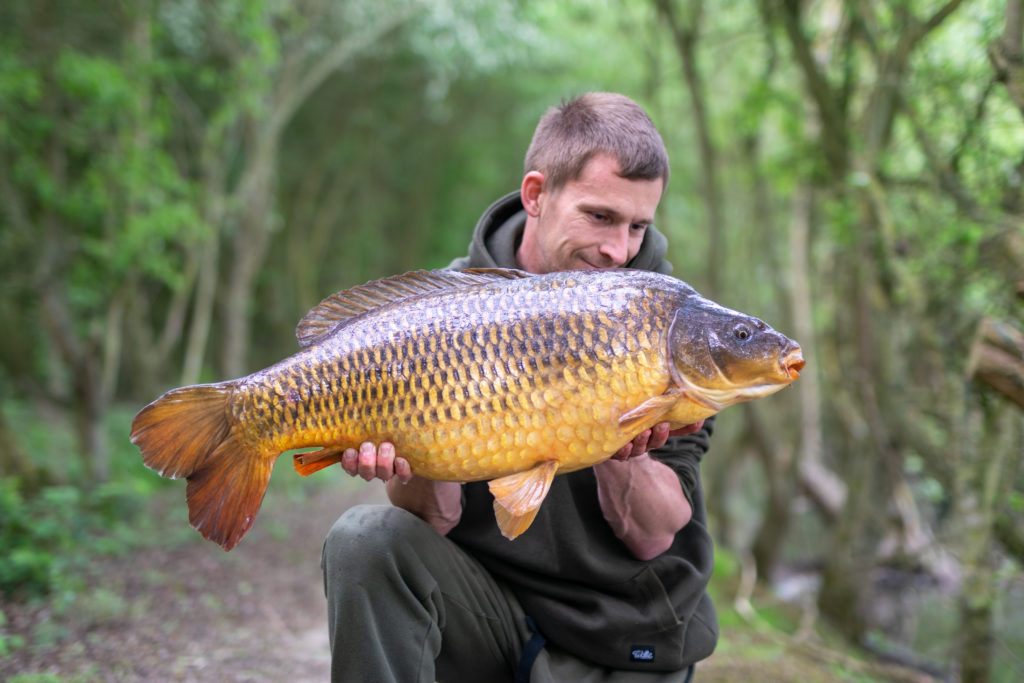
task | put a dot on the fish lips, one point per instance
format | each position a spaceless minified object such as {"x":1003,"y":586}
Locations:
{"x":791,"y":363}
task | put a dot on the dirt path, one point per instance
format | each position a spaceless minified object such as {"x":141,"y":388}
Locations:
{"x":193,"y":612}
{"x":187,"y":611}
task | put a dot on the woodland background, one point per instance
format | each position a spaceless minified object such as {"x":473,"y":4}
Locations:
{"x":181,"y":180}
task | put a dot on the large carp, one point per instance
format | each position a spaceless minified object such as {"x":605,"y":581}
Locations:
{"x":473,"y":375}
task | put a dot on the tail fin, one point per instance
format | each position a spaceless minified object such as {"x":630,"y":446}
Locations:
{"x":190,"y":432}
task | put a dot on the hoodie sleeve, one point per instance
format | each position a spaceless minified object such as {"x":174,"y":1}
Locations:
{"x":684,"y":454}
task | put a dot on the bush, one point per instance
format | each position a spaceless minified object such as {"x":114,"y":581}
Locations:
{"x":35,"y":534}
{"x":49,"y":534}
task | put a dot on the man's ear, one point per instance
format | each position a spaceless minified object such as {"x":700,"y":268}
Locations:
{"x":531,"y":191}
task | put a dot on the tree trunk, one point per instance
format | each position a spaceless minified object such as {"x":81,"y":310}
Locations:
{"x":988,"y":441}
{"x":255,"y":190}
{"x":821,"y":485}
{"x":247,"y":255}
{"x":205,"y":297}
{"x":847,"y":587}
{"x":776,"y":515}
{"x":14,"y":462}
{"x":685,"y":38}
{"x":1005,"y":54}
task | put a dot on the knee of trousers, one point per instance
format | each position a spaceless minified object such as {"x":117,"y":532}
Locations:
{"x":367,"y":534}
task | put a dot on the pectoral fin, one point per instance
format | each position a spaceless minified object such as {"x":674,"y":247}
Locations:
{"x":651,"y":410}
{"x":518,"y":496}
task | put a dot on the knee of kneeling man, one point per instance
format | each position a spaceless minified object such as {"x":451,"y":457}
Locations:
{"x":364,"y":530}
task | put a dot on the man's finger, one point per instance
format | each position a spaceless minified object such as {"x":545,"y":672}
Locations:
{"x":624,"y":452}
{"x":367,"y":461}
{"x":640,"y":443}
{"x":688,"y":429}
{"x":385,"y":461}
{"x":659,"y":435}
{"x":402,"y":469}
{"x":350,"y":461}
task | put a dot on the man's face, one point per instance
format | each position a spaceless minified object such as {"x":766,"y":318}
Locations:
{"x":595,"y":221}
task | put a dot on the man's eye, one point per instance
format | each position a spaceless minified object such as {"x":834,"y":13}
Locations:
{"x":599,"y":217}
{"x":638,"y":227}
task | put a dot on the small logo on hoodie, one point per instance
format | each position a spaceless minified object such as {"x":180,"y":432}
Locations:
{"x":641,"y":653}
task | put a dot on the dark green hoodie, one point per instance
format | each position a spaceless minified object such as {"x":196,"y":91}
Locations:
{"x":583,"y":588}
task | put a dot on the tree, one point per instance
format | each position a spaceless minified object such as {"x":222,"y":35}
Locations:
{"x":867,"y":56}
{"x":86,"y":199}
{"x":855,"y":145}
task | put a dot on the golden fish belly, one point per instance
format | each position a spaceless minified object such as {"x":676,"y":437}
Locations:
{"x":478,"y":387}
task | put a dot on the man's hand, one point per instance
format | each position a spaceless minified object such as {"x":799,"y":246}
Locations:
{"x":653,"y":438}
{"x":438,"y":503}
{"x":371,"y":462}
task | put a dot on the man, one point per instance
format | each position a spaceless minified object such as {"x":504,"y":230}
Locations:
{"x":609,"y":582}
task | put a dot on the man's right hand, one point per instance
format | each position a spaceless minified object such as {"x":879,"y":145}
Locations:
{"x":371,"y":462}
{"x":439,"y":503}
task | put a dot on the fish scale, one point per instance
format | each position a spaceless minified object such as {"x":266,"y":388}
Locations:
{"x":492,"y":375}
{"x":451,"y":392}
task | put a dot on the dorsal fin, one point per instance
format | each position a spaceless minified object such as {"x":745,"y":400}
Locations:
{"x":347,"y":304}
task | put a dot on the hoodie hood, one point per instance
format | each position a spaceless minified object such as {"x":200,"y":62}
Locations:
{"x":500,"y":229}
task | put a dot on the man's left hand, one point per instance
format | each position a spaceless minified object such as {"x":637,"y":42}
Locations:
{"x":653,"y":438}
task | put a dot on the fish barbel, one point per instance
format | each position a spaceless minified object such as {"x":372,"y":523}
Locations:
{"x":473,"y":375}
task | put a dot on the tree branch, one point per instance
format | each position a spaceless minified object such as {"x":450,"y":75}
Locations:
{"x":971,"y":127}
{"x":947,"y":178}
{"x":291,"y":99}
{"x":685,"y":38}
{"x":1008,"y":533}
{"x":1005,"y":54}
{"x":885,"y":96}
{"x":832,"y":117}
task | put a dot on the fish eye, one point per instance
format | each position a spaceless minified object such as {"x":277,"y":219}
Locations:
{"x":741,"y":332}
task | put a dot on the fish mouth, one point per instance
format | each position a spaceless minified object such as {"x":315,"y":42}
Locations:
{"x":792,"y":363}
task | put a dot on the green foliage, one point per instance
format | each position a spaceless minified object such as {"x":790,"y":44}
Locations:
{"x":36,"y":534}
{"x":49,"y":535}
{"x":95,"y":201}
{"x":38,"y":678}
{"x":8,"y":642}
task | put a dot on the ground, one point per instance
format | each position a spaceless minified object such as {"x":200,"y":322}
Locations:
{"x":184,"y":610}
{"x":188,"y":611}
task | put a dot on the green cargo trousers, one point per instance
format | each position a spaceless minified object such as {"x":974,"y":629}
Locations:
{"x":405,"y":604}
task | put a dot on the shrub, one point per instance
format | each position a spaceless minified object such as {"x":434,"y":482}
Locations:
{"x":35,"y":534}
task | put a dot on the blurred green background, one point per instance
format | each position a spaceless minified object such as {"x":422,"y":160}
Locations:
{"x":180,"y":181}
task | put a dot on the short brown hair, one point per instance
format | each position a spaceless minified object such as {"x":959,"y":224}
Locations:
{"x":568,"y":136}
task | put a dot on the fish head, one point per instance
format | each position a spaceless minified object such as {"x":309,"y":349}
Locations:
{"x":721,"y":356}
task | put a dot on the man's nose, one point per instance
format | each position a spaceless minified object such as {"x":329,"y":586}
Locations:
{"x":615,"y":246}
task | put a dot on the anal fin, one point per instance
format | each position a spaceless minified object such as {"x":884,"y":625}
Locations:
{"x":517,"y":497}
{"x":511,"y":525}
